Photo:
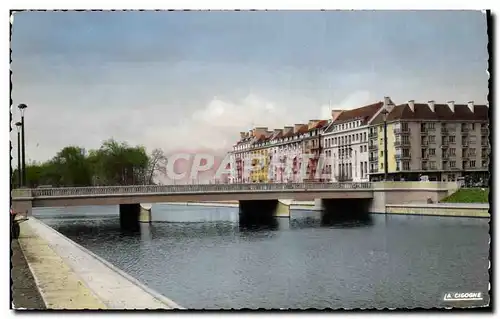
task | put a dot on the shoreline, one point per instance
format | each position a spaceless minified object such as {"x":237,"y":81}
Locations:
{"x":68,"y":276}
{"x":470,"y":210}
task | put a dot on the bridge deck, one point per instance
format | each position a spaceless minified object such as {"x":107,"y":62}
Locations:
{"x":114,"y":195}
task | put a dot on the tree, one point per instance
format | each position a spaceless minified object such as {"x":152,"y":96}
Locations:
{"x":72,"y":166}
{"x":157,"y":164}
{"x":112,"y":164}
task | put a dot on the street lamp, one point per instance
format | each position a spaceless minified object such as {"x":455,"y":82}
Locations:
{"x":23,"y":107}
{"x":385,"y":112}
{"x":19,"y":177}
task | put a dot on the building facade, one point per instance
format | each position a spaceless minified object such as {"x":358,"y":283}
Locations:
{"x":345,"y":142}
{"x":443,"y":142}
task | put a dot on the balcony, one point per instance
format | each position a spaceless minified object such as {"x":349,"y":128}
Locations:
{"x":465,"y":130}
{"x":445,"y":145}
{"x":424,"y":131}
{"x":485,"y":143}
{"x":372,"y":147}
{"x":445,"y":131}
{"x":484,"y":131}
{"x":372,"y":135}
{"x":402,"y":156}
{"x":484,"y":155}
{"x":373,"y":159}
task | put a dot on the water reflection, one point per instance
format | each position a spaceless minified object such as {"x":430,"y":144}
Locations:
{"x":367,"y":261}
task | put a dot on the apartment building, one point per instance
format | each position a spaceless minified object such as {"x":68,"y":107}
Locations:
{"x":286,"y":154}
{"x":345,"y":142}
{"x":312,"y":147}
{"x":444,"y":141}
{"x":282,"y":151}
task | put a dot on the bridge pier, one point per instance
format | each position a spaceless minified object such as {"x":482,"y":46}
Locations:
{"x":257,"y":213}
{"x":129,"y":217}
{"x":145,"y":213}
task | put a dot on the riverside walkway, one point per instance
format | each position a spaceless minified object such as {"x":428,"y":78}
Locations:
{"x":69,"y":276}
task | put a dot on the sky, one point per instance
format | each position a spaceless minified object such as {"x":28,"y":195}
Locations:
{"x":194,"y":80}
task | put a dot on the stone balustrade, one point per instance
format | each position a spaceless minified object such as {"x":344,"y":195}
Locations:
{"x":181,"y":189}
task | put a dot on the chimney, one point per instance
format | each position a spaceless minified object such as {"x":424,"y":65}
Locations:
{"x":432,"y":105}
{"x":312,"y":123}
{"x":288,"y":130}
{"x":259,"y":131}
{"x":243,"y":135}
{"x":278,"y":130}
{"x":470,"y":104}
{"x":411,"y":104}
{"x":335,"y":114}
{"x":296,"y":127}
{"x":451,"y":104}
{"x":387,"y":101}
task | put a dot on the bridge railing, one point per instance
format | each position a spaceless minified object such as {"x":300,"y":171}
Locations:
{"x":190,"y":188}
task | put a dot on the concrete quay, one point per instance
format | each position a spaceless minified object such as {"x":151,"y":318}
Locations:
{"x":409,"y":208}
{"x":69,"y":276}
{"x":441,"y":209}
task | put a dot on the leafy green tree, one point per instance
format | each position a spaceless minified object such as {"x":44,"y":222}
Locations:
{"x":113,"y":163}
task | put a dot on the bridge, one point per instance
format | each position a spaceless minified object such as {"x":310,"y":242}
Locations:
{"x":252,"y":198}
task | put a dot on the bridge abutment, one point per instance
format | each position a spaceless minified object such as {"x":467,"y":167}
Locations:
{"x":129,"y":216}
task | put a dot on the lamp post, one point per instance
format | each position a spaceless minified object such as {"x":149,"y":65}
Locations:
{"x":22,"y":108}
{"x":19,"y":177}
{"x":385,"y":112}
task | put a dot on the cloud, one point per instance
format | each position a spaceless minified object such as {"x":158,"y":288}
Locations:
{"x":217,"y":125}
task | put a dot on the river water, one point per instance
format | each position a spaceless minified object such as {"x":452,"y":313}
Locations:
{"x":382,"y":261}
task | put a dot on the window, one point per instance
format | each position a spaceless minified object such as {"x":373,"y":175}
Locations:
{"x":431,"y":125}
{"x":398,"y":168}
{"x":451,"y":139}
{"x":406,"y":166}
{"x":472,"y":164}
{"x":452,"y":151}
{"x":381,"y":165}
{"x":453,"y":164}
{"x":381,"y":153}
{"x":432,"y":165}
{"x":432,"y":139}
{"x":381,"y":128}
{"x":364,"y":136}
{"x":432,"y":151}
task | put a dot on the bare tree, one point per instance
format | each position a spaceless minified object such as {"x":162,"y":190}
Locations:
{"x":157,"y":164}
